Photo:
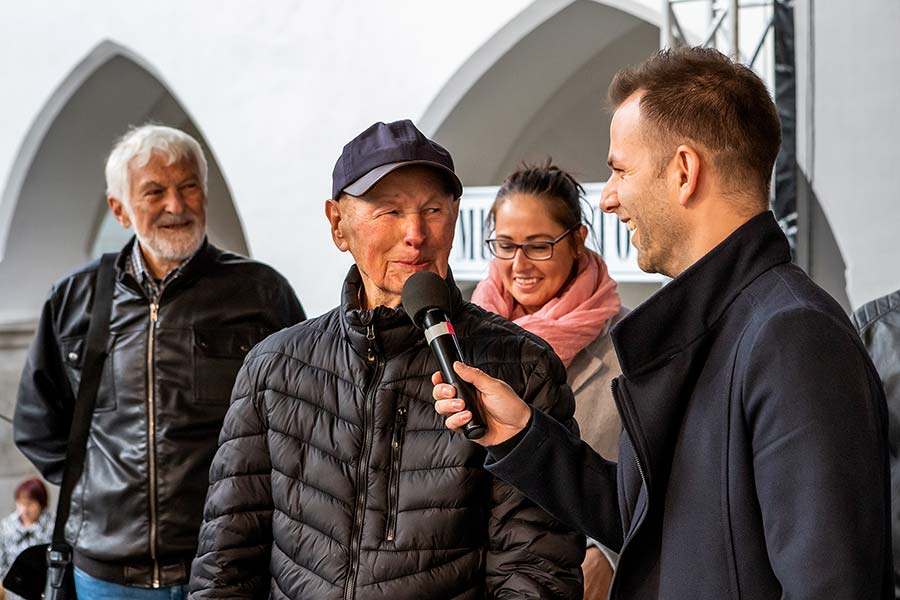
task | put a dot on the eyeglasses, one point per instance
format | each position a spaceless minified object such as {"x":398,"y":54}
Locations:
{"x":506,"y":249}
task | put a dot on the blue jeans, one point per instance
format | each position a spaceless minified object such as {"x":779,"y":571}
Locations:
{"x":89,"y":588}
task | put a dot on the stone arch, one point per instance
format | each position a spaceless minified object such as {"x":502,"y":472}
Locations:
{"x":537,"y":88}
{"x":53,"y":214}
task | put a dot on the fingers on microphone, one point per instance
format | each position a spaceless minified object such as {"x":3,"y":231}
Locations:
{"x":456,"y":421}
{"x":443,"y":390}
{"x":476,"y":377}
{"x":449,"y":407}
{"x":473,"y":375}
{"x":437,"y":378}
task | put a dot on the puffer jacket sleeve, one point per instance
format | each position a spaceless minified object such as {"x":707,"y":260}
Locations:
{"x":533,"y":555}
{"x":235,"y":539}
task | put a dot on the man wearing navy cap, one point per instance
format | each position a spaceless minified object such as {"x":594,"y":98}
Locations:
{"x":334,"y":477}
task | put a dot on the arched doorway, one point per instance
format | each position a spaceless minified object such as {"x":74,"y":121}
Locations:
{"x":53,"y":214}
{"x":56,"y":215}
{"x":538,"y":89}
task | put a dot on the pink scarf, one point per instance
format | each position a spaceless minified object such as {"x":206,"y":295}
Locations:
{"x":568,"y":322}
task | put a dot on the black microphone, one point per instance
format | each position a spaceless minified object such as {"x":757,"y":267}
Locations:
{"x":426,"y":299}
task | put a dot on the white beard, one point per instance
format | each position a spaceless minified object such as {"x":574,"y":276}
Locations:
{"x":173,"y":245}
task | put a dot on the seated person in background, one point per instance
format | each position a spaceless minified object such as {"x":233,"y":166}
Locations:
{"x":545,"y":279}
{"x":335,"y":478}
{"x":30,"y":525}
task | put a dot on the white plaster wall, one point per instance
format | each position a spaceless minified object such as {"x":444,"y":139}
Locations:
{"x":848,"y":68}
{"x":275,"y":87}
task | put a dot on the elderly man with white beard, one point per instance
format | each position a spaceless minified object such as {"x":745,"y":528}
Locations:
{"x":184,"y":314}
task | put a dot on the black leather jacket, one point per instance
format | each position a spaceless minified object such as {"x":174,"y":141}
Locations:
{"x":137,"y":507}
{"x":336,"y":479}
{"x":878,"y":323}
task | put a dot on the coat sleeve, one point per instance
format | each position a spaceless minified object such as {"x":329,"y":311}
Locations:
{"x":44,"y":402}
{"x":532,"y":554}
{"x":285,"y":308}
{"x":815,"y":412}
{"x":235,"y":538}
{"x":566,"y":477}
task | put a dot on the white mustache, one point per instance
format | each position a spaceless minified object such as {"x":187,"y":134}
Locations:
{"x":166,"y":221}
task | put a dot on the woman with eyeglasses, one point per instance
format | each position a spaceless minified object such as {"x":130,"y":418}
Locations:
{"x":546,"y":280}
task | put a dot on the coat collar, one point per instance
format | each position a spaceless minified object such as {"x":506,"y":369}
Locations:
{"x":200,"y":263}
{"x":393,"y":330}
{"x":682,"y":311}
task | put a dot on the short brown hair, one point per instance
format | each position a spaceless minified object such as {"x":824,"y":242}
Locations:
{"x":700,"y":95}
{"x":32,"y":489}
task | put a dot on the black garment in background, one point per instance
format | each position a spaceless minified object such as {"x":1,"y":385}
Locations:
{"x":878,"y":323}
{"x":209,"y":317}
{"x":336,"y":479}
{"x":784,"y":203}
{"x":755,"y":460}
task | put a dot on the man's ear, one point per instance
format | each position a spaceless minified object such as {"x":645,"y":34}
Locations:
{"x":687,"y":167}
{"x":335,"y":219}
{"x":119,"y":211}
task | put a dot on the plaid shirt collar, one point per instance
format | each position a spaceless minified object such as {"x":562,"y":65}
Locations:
{"x":138,"y":269}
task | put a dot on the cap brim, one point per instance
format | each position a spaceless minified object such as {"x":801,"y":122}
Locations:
{"x":365,"y":183}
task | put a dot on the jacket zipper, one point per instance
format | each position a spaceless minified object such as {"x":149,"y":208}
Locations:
{"x":361,"y":469}
{"x":640,"y":468}
{"x":394,"y":479}
{"x":151,"y":439}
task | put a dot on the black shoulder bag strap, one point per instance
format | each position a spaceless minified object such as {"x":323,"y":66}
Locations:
{"x":59,"y":554}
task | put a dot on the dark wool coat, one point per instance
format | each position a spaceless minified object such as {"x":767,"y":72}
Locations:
{"x":336,"y":479}
{"x":754,"y":463}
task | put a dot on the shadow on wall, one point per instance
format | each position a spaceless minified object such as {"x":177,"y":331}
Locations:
{"x":825,"y":263}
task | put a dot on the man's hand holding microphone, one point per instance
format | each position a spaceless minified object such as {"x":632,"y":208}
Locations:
{"x":504,"y":413}
{"x":485,"y":409}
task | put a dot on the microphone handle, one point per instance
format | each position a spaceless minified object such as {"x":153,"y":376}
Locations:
{"x":446,"y":350}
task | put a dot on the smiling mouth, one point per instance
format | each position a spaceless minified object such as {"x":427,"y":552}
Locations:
{"x":526,"y":281}
{"x":176,"y":225}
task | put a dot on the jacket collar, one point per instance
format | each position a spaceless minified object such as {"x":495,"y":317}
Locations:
{"x":394,"y":332}
{"x":200,"y":263}
{"x":682,"y":311}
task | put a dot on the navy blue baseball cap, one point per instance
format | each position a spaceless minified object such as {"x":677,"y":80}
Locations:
{"x":385,"y":147}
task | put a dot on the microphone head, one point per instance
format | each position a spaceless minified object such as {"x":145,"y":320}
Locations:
{"x":424,"y":290}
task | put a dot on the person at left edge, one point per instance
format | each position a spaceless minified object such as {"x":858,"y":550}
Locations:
{"x":335,"y":478}
{"x":184,"y":315}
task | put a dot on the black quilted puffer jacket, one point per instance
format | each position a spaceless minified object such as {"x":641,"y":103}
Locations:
{"x":336,"y":479}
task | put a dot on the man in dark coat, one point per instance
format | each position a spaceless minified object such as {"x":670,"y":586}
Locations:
{"x":754,"y":460}
{"x":184,"y":314}
{"x":334,"y":478}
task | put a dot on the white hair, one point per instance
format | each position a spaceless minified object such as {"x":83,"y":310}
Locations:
{"x":135,"y":148}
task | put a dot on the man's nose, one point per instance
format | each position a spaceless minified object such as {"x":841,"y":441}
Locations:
{"x":609,"y":200}
{"x":174,"y":201}
{"x":414,"y":230}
